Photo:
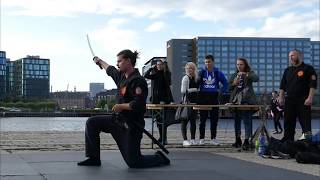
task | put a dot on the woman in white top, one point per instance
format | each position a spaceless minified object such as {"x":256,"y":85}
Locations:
{"x":189,"y":88}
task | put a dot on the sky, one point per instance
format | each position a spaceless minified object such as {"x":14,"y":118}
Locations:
{"x":57,"y":29}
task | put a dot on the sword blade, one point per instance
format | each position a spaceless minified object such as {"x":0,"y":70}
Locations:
{"x":89,"y":44}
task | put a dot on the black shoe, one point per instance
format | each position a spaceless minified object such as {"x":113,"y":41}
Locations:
{"x":90,"y":162}
{"x":238,"y":143}
{"x":246,"y":145}
{"x":164,"y":159}
{"x":165,"y":142}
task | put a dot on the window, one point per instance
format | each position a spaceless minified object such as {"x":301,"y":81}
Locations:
{"x":283,"y":43}
{"x":239,"y":48}
{"x":217,"y":42}
{"x":262,"y":66}
{"x":201,"y":42}
{"x":224,"y":42}
{"x":217,"y":49}
{"x":247,"y":43}
{"x":239,"y":43}
{"x":262,"y":78}
{"x":269,"y":43}
{"x":254,"y":43}
{"x":255,"y":49}
{"x":232,"y":48}
{"x":247,"y":49}
{"x":269,"y":78}
{"x":262,"y":43}
{"x":224,"y":48}
{"x":298,"y":43}
{"x":254,"y":60}
{"x":291,"y":43}
{"x":284,"y":49}
{"x":262,"y":49}
{"x":269,"y":66}
{"x":217,"y":54}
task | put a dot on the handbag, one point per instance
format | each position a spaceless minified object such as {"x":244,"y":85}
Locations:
{"x":182,"y":112}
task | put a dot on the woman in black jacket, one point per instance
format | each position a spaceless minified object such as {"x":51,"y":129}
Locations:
{"x":161,"y":92}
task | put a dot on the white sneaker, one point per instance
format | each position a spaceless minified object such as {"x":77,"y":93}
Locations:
{"x":201,"y":142}
{"x":186,"y":143}
{"x":302,"y":137}
{"x":215,"y":142}
{"x":193,"y":142}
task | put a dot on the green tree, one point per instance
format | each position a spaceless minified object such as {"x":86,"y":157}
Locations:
{"x":102,"y":103}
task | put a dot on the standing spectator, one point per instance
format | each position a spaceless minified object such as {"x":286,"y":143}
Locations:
{"x":189,"y":89}
{"x":276,"y":112}
{"x":161,"y":93}
{"x":209,"y":79}
{"x":299,"y":82}
{"x":242,"y":93}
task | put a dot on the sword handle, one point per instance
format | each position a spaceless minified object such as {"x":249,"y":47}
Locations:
{"x":97,"y":63}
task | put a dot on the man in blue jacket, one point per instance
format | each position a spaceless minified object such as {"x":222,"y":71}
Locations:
{"x":209,"y":79}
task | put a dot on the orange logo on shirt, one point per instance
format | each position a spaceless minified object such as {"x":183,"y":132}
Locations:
{"x":123,"y":90}
{"x":300,"y":73}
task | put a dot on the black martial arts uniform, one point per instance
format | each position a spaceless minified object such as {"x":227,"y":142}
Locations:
{"x":128,"y":135}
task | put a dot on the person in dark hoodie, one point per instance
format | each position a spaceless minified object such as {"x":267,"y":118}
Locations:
{"x":160,"y":76}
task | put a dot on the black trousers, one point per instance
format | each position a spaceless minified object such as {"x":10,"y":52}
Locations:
{"x":209,"y":99}
{"x":162,"y":120}
{"x":192,"y":119}
{"x":293,"y":109}
{"x":128,"y":140}
{"x":276,"y":120}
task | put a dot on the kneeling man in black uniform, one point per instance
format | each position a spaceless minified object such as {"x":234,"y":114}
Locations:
{"x":129,"y":116}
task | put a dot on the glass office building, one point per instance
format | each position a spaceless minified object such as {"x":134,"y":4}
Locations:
{"x":3,"y":62}
{"x":28,"y":78}
{"x":267,"y":56}
{"x":96,"y":88}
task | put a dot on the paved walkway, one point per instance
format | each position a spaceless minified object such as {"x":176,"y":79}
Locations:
{"x":53,"y":155}
{"x":185,"y":164}
{"x":74,"y":140}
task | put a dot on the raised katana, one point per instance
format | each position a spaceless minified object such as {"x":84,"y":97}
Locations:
{"x":92,"y":53}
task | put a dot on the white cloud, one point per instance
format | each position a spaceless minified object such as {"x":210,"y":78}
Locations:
{"x":203,"y":10}
{"x":156,"y":26}
{"x":288,"y":25}
{"x":114,"y":38}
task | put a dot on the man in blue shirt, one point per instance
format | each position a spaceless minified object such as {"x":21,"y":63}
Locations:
{"x":209,"y":79}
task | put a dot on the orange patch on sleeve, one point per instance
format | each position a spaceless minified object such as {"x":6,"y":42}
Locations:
{"x":300,"y":73}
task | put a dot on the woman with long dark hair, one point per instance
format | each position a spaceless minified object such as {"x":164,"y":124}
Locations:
{"x":242,"y":93}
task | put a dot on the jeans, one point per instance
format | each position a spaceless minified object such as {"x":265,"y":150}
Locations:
{"x":247,"y":120}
